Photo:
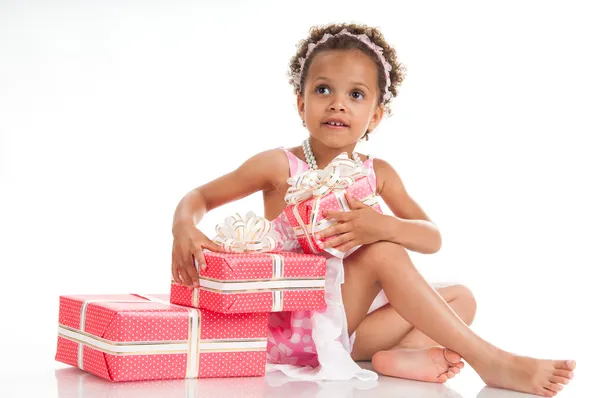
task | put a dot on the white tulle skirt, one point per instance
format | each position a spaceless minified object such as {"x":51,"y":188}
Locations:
{"x":330,"y":336}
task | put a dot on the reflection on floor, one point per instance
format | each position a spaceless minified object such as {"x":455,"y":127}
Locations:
{"x":73,"y":383}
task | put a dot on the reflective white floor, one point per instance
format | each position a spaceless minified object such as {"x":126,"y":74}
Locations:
{"x":532,"y":321}
{"x":28,"y":369}
{"x":67,"y":382}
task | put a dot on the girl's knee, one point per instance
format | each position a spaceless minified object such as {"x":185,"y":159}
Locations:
{"x":463,"y":296}
{"x":467,"y":295}
{"x":381,"y":252}
{"x":468,"y":302}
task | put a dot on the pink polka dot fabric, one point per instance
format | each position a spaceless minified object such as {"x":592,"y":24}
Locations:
{"x":290,"y":339}
{"x":142,"y":321}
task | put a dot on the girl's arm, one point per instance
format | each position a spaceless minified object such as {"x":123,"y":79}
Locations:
{"x":410,"y":227}
{"x":261,"y":172}
{"x":258,"y":173}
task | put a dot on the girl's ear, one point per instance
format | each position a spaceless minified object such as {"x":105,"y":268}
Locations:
{"x":377,"y":116}
{"x":300,"y":104}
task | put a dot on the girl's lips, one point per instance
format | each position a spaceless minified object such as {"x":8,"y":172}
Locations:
{"x":335,"y":127}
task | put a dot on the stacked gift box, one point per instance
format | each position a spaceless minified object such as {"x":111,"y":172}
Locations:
{"x":220,"y":328}
{"x":216,"y":330}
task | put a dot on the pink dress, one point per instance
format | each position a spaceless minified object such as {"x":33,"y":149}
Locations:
{"x":314,"y":345}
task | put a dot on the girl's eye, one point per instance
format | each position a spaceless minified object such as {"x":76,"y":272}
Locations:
{"x":320,"y":88}
{"x":358,"y":93}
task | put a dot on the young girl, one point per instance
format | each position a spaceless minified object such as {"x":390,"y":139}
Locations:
{"x":345,"y":76}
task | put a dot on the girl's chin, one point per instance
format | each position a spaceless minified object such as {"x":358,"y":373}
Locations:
{"x":335,"y":140}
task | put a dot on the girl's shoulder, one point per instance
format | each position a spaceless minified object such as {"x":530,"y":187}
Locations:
{"x":385,"y":173}
{"x":394,"y":193}
{"x":268,"y":168}
{"x":268,"y":158}
{"x":293,"y":152}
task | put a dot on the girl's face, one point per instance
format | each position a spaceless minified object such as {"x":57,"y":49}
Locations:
{"x":341,"y":86}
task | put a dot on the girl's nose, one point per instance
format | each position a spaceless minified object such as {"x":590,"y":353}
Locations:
{"x":337,"y":104}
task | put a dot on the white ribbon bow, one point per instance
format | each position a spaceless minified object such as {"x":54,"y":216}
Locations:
{"x":251,"y":234}
{"x":339,"y":174}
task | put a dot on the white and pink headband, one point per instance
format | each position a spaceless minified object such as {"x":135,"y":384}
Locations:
{"x":363,"y":38}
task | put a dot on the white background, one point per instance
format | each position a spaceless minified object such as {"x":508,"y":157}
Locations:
{"x":111,"y":111}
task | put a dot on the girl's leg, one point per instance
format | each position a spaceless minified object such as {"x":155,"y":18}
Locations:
{"x":462,"y":302}
{"x":384,"y":329}
{"x":381,"y":331}
{"x":388,"y":265}
{"x":405,"y":351}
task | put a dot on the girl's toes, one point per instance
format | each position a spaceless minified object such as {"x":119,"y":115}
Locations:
{"x":442,"y":378}
{"x":450,"y":374}
{"x":568,"y":365}
{"x":451,"y":356}
{"x":549,"y":393}
{"x":558,"y":379}
{"x":455,"y":370}
{"x":553,"y":387}
{"x":563,"y":373}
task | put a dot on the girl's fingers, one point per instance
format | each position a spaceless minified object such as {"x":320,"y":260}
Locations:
{"x":212,"y":246}
{"x":337,"y":229}
{"x":192,"y":274}
{"x":338,"y":215}
{"x":196,"y":269}
{"x":354,"y":203}
{"x":182,"y":263}
{"x":338,"y":240}
{"x":175,"y":273}
{"x":174,"y":269}
{"x":184,"y":276}
{"x":200,"y":261}
{"x":347,"y":246}
{"x":326,"y":233}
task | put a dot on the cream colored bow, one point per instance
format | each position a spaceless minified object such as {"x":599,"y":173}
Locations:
{"x":251,"y":234}
{"x":340,"y":173}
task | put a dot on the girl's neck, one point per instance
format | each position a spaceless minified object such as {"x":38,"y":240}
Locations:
{"x":324,"y":155}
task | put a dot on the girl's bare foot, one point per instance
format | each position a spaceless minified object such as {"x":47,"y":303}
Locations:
{"x":535,"y":376}
{"x":433,"y":364}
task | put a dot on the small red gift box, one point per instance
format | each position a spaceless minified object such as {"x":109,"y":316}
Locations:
{"x":256,"y":282}
{"x":134,"y":337}
{"x":307,"y":216}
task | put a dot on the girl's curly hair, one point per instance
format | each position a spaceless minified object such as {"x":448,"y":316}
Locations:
{"x":345,"y":42}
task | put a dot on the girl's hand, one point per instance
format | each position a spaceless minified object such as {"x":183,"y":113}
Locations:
{"x":188,"y":242}
{"x":361,"y":225}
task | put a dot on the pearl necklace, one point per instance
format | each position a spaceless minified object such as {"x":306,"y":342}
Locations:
{"x":310,"y":157}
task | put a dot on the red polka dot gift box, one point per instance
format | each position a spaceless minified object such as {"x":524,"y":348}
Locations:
{"x":132,"y":337}
{"x":316,"y":191}
{"x":256,"y":282}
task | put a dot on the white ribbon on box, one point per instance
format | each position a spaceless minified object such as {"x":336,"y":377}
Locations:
{"x":340,"y":174}
{"x":250,"y":234}
{"x":193,"y":346}
{"x":254,"y":234}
